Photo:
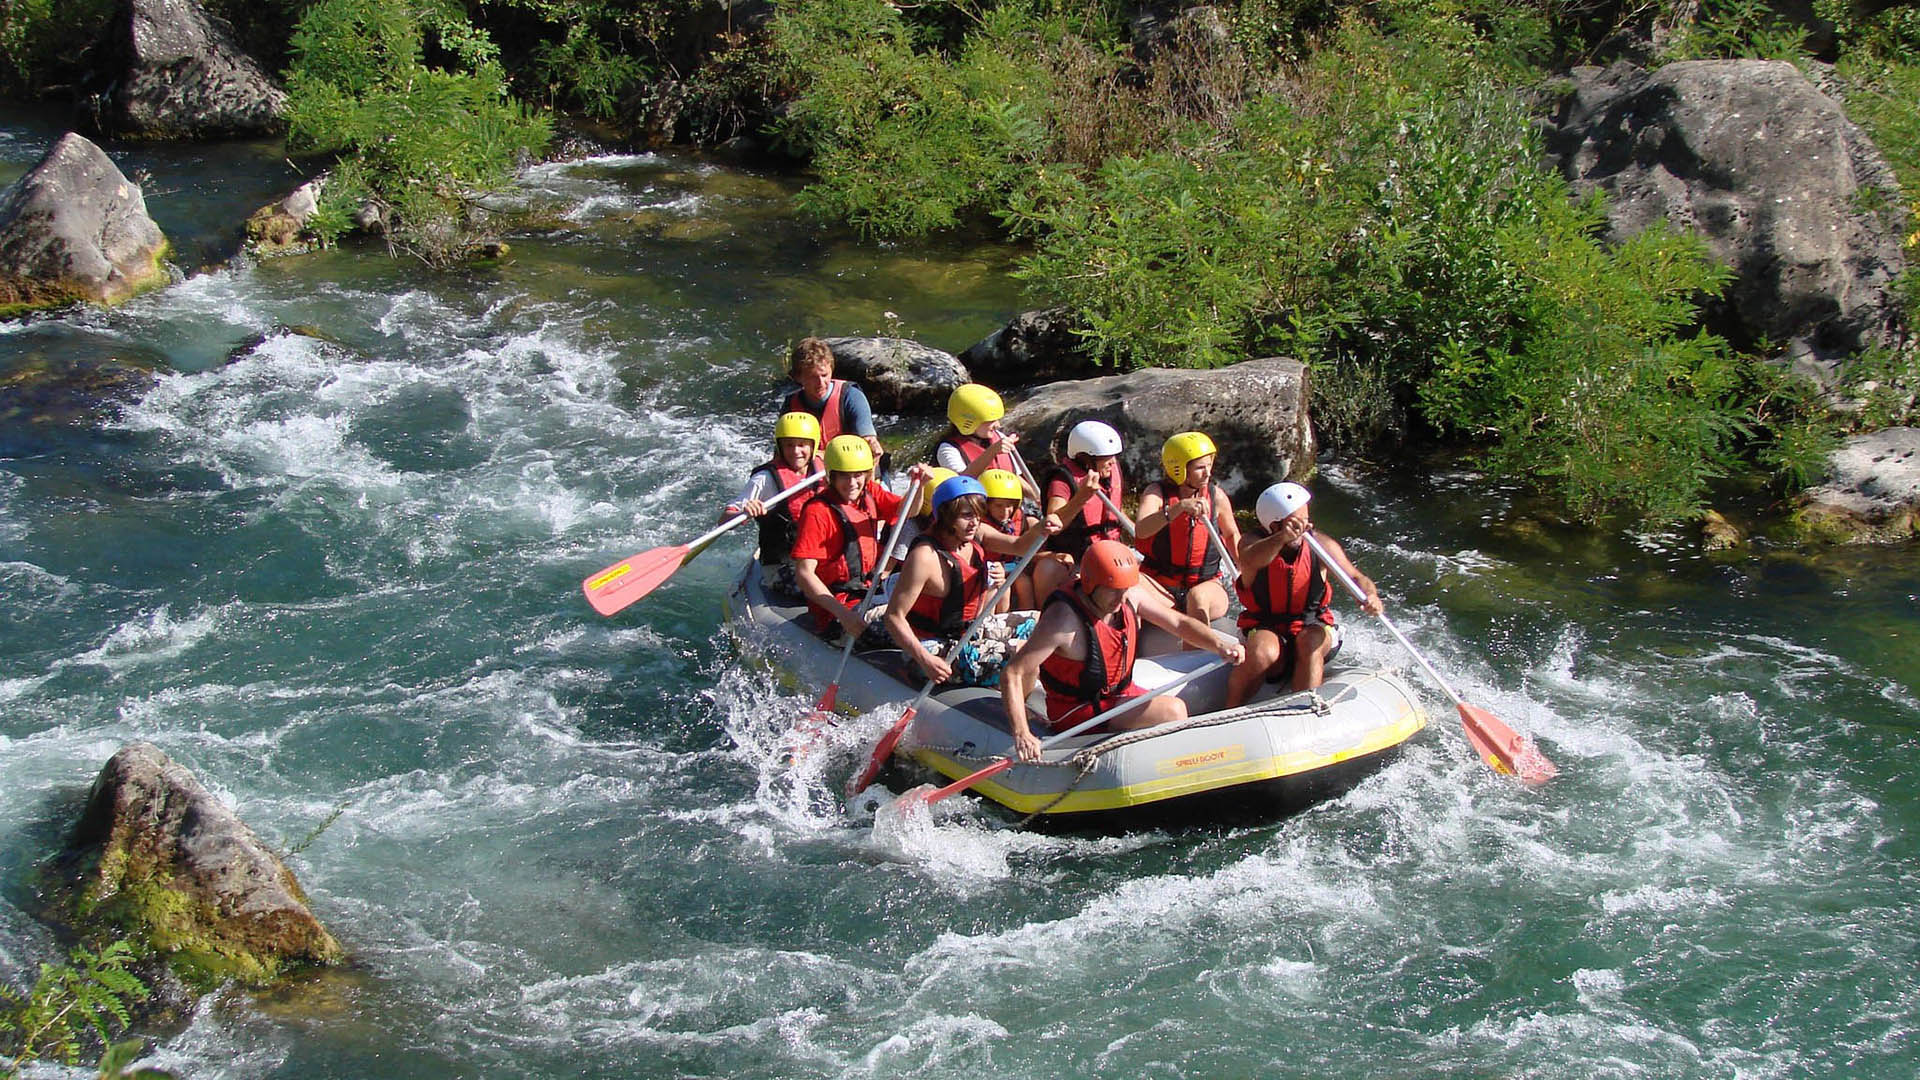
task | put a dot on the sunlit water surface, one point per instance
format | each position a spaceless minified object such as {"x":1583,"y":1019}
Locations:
{"x":336,"y":572}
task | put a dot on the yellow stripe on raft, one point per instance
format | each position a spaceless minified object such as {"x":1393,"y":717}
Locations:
{"x":1185,"y":780}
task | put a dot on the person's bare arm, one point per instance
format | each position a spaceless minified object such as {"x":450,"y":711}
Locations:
{"x":920,"y":567}
{"x":806,"y":574}
{"x":1055,"y":631}
{"x":1372,"y":605}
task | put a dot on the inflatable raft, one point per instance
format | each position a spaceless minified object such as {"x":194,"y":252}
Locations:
{"x":1273,"y":756}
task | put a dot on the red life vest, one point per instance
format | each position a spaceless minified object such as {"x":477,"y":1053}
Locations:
{"x":1110,"y":652}
{"x":948,"y":616}
{"x":1014,"y":527}
{"x":1182,"y":554}
{"x":859,"y":543}
{"x":780,"y":525}
{"x":971,"y":447}
{"x":828,"y":412}
{"x":1282,"y":597}
{"x":1095,"y":521}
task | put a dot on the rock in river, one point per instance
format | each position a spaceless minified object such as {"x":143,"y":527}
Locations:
{"x":1255,"y":412}
{"x":897,"y":374}
{"x":1754,"y":158}
{"x":185,"y":77}
{"x":75,"y":228}
{"x":167,"y":862}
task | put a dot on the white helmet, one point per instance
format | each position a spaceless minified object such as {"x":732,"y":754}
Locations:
{"x":1280,"y":502}
{"x":1093,"y":438}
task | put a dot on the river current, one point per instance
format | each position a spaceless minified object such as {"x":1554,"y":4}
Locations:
{"x":336,"y":572}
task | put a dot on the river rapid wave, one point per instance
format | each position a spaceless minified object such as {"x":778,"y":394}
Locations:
{"x":337,"y":574}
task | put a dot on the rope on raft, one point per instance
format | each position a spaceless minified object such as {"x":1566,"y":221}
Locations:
{"x":1087,"y":758}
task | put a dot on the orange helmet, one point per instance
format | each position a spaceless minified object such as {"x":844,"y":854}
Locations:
{"x":1110,"y":563}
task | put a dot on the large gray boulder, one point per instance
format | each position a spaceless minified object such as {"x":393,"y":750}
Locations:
{"x":1872,"y":491}
{"x":186,"y":79}
{"x":1255,"y":412}
{"x":898,"y":375}
{"x":1034,"y":347}
{"x":75,"y":228}
{"x":1754,"y":158}
{"x":168,"y":862}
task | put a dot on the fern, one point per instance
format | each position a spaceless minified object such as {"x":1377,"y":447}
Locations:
{"x":88,"y":994}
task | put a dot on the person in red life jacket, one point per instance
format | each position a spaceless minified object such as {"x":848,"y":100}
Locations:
{"x":1288,"y":595}
{"x":840,"y":406}
{"x":1175,"y":547}
{"x":1074,"y":487}
{"x":946,"y":575}
{"x":1007,"y":514}
{"x":1083,"y":649}
{"x":837,"y":548}
{"x":796,"y":441}
{"x":974,"y":443}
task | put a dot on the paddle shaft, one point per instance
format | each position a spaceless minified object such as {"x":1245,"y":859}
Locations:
{"x":866,"y":602}
{"x":1226,"y":557}
{"x":1115,"y":510}
{"x":1360,"y":595}
{"x":694,"y":546}
{"x":884,"y":748}
{"x":1131,"y":703}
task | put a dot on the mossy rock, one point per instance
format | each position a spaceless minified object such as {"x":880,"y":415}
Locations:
{"x":162,"y":861}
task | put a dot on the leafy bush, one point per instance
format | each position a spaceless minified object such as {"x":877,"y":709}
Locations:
{"x":414,"y":138}
{"x":89,"y":994}
{"x":41,"y":41}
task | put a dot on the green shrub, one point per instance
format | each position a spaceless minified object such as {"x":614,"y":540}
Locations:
{"x":418,"y":139}
{"x":88,"y":995}
{"x":41,"y":41}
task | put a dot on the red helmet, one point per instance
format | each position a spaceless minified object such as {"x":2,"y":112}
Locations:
{"x":1110,"y":563}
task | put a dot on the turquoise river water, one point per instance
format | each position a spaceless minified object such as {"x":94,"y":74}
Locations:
{"x":338,"y":576}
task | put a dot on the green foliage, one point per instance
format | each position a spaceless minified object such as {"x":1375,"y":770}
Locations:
{"x":906,"y":141}
{"x":41,"y":40}
{"x":1604,"y":394}
{"x":1738,"y":29}
{"x":415,"y":138}
{"x":1886,"y":384}
{"x":88,"y":994}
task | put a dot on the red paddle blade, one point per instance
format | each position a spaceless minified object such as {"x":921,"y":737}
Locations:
{"x":632,"y":578}
{"x":929,"y":796}
{"x":827,"y":699}
{"x":882,"y":750}
{"x":1504,"y":749}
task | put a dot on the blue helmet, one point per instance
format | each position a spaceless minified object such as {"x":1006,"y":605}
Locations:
{"x":950,"y":490}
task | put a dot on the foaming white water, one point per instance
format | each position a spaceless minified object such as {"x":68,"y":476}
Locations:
{"x":157,"y":637}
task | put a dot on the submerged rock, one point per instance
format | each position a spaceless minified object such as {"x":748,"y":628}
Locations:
{"x":169,"y":864}
{"x":75,"y":228}
{"x":1255,"y":412}
{"x":1755,"y":159}
{"x":897,"y":374}
{"x":186,"y":79}
{"x":1872,"y":492}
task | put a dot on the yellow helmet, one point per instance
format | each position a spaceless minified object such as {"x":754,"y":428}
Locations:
{"x":1001,"y":484}
{"x":798,"y":425}
{"x":972,"y":405}
{"x":849,"y":453}
{"x":940,"y":476}
{"x":1181,"y":450}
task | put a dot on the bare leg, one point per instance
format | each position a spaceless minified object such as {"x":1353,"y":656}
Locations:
{"x":1310,"y":657}
{"x":1207,"y":601}
{"x":1263,"y":652}
{"x":1165,"y":709}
